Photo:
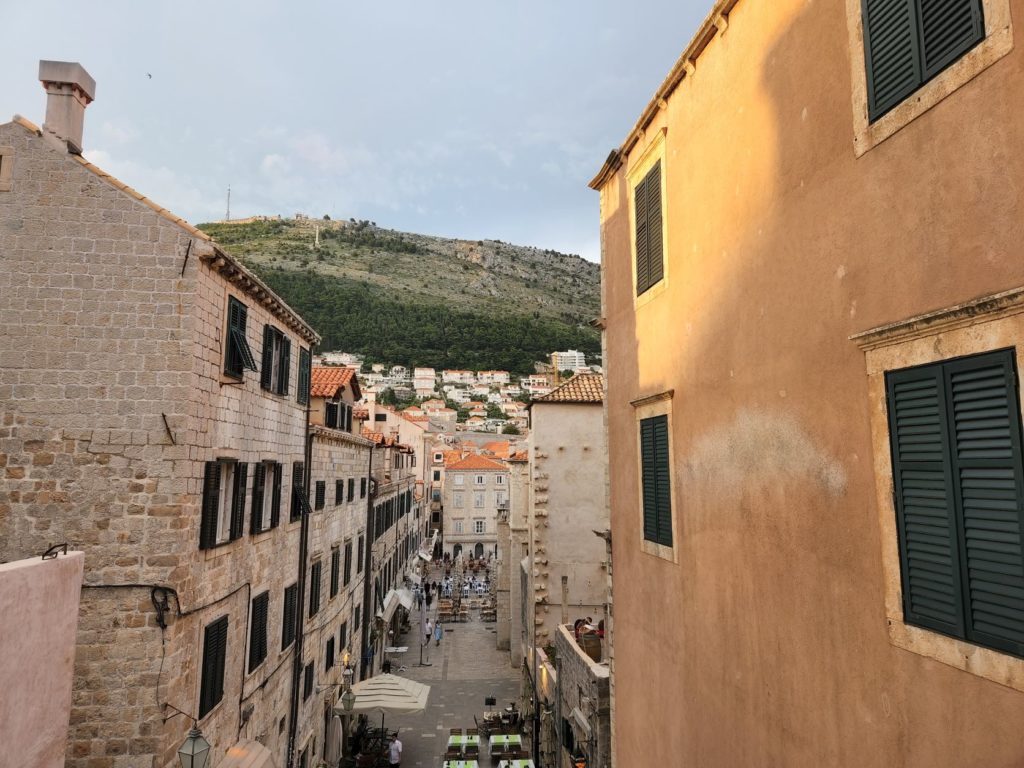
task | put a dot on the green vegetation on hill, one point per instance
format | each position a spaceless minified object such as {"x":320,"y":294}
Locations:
{"x":412,"y":299}
{"x":356,"y":317}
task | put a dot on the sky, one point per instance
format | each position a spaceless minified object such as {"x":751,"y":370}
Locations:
{"x":477,"y":120}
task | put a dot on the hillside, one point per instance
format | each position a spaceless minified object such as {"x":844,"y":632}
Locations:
{"x":420,"y":300}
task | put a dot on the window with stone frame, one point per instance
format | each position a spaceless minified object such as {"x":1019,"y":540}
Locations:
{"x":320,"y":494}
{"x":335,"y":571}
{"x":237,"y":352}
{"x":290,"y":611}
{"x":258,"y":630}
{"x":266,"y":496}
{"x":479,"y":526}
{"x":215,"y":645}
{"x":479,"y":499}
{"x":277,"y":349}
{"x":223,"y":510}
{"x":458,"y":500}
{"x":347,"y":571}
{"x":458,"y":526}
{"x":315,"y":573}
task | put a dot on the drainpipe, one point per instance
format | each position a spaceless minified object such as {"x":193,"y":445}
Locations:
{"x":367,"y":562}
{"x":293,"y":713}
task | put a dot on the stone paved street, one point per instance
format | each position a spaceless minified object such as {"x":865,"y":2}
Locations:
{"x":464,"y":671}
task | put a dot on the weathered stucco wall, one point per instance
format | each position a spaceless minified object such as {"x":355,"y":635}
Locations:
{"x":39,"y":606}
{"x":768,"y":630}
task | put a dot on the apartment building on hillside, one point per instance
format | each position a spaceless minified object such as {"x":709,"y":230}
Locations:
{"x":154,"y":395}
{"x":812,"y":293}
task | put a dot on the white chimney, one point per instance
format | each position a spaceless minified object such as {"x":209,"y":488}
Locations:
{"x":69,"y":90}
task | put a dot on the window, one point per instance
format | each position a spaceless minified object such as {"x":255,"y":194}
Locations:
{"x":909,"y":42}
{"x":300,"y":503}
{"x":356,"y":614}
{"x":480,"y":479}
{"x":307,"y":683}
{"x":380,"y":417}
{"x":223,"y":515}
{"x":499,"y":498}
{"x":655,"y":480}
{"x":955,"y":438}
{"x":457,"y":500}
{"x":438,"y":457}
{"x":291,"y":610}
{"x":277,"y":350}
{"x":331,"y":415}
{"x":238,"y":354}
{"x":499,"y":479}
{"x":335,"y":570}
{"x":343,"y":635}
{"x":351,"y":488}
{"x":437,"y":475}
{"x":258,"y":630}
{"x":359,"y":555}
{"x":215,"y":648}
{"x":305,"y":373}
{"x":314,"y":588}
{"x":266,"y":496}
{"x":460,"y":479}
{"x":362,"y":488}
{"x":479,"y":497}
{"x":329,"y":655}
{"x":339,"y":492}
{"x":348,"y":563}
{"x":458,"y":526}
{"x":320,"y":494}
{"x":478,"y":526}
{"x":650,"y":263}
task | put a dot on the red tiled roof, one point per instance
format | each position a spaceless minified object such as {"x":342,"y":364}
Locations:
{"x":476,"y":462}
{"x":499,"y":448}
{"x":519,"y":456}
{"x":327,"y":380}
{"x":581,"y":388}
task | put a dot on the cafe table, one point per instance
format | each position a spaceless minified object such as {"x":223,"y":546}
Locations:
{"x":503,"y":742}
{"x":463,"y":764}
{"x":527,"y":763}
{"x":462,"y":740}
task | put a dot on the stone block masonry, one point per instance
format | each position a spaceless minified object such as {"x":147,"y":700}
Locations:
{"x":113,"y":321}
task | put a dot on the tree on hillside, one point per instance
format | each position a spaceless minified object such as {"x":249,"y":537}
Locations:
{"x":510,"y":429}
{"x":494,"y":412}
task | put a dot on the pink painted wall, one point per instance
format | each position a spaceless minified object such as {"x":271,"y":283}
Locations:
{"x":38,"y":617}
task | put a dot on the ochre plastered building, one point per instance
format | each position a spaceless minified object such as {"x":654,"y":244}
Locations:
{"x":782,"y":231}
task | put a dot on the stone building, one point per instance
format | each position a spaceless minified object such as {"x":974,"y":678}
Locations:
{"x":154,"y":395}
{"x":583,"y":701}
{"x":811,"y":282}
{"x":568,"y":505}
{"x":474,"y":488}
{"x":339,"y":488}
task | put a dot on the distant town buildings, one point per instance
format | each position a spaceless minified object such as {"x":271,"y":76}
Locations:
{"x":570,"y":360}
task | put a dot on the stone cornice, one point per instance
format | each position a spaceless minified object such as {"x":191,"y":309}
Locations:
{"x":983,"y":309}
{"x":337,"y":436}
{"x":236,"y":273}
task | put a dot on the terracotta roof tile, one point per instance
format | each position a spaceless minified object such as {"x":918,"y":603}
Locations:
{"x":581,"y":388}
{"x":519,"y":456}
{"x":475,"y":462}
{"x":499,"y":448}
{"x":328,"y":379}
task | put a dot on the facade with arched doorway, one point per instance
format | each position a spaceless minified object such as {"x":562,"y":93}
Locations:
{"x":475,"y":488}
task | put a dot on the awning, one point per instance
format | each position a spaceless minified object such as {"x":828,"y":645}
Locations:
{"x":405,"y":598}
{"x":425,"y":557}
{"x":388,"y":694}
{"x":415,"y":578}
{"x":390,"y":604}
{"x":247,"y":754}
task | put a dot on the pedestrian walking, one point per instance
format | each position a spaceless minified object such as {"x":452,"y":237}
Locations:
{"x":427,"y":632}
{"x":438,"y":633}
{"x":395,"y":752}
{"x":430,"y":599}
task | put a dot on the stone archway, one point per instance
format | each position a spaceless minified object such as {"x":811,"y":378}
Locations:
{"x":479,"y":551}
{"x":456,"y":551}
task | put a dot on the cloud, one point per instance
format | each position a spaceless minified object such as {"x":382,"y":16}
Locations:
{"x":118,"y":134}
{"x":274,"y":165}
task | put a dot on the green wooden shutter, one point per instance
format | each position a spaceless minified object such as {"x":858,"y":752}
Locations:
{"x":314,"y":588}
{"x":258,"y":630}
{"x":643,"y":261}
{"x":348,"y":564}
{"x":663,"y":480}
{"x":290,"y":614}
{"x":214,"y":657}
{"x":305,"y":373}
{"x":267,"y":371}
{"x":335,"y":570}
{"x":275,"y":499}
{"x":298,"y":470}
{"x":655,"y":255}
{"x":925,"y":500}
{"x":238,"y":501}
{"x":648,"y":462}
{"x":351,"y":488}
{"x":286,"y":362}
{"x":211,"y":498}
{"x":890,"y":53}
{"x":331,"y":415}
{"x":947,"y":30}
{"x":259,"y":481}
{"x":985,"y":425}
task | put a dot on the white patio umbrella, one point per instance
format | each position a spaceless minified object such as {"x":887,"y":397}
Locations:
{"x":389,"y":695}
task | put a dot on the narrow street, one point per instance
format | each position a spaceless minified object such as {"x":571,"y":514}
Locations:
{"x":464,"y":671}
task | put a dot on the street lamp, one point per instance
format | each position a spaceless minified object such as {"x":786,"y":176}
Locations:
{"x":348,"y":701}
{"x":195,"y":752}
